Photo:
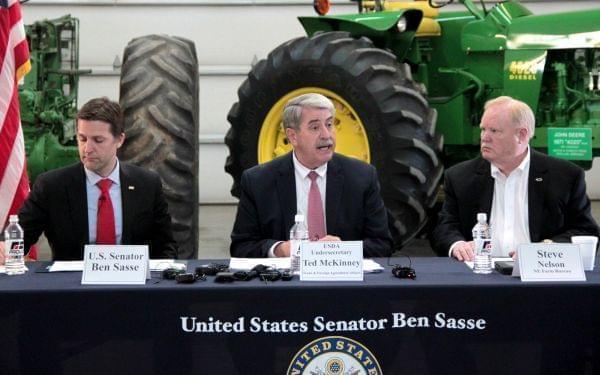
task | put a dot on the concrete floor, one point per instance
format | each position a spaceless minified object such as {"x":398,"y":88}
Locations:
{"x":216,"y":222}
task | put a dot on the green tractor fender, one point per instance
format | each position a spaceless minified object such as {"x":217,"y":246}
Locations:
{"x":389,"y":29}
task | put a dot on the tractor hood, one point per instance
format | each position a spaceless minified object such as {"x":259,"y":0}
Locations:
{"x":510,"y":26}
{"x":579,"y":29}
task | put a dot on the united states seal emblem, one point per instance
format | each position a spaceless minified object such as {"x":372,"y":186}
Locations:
{"x":334,"y":355}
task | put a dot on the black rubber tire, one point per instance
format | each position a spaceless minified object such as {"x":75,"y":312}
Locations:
{"x":159,"y":97}
{"x":399,"y":123}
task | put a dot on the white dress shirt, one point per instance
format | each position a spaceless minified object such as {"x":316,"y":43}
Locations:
{"x":93,"y":193}
{"x":510,"y":209}
{"x":509,"y":221}
{"x":302,"y":188}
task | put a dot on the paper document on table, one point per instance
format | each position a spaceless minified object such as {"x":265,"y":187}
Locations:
{"x":66,"y":266}
{"x":246,"y":264}
{"x":371,"y":266}
{"x":494,"y":260}
{"x":163,"y":264}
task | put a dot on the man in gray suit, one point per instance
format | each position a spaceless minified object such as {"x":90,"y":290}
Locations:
{"x":349,"y":204}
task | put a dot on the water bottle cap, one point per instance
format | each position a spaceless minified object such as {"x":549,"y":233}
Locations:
{"x":299,"y":218}
{"x":13,"y":218}
{"x":481,"y":217}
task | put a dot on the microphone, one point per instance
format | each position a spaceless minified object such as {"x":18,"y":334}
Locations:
{"x":403,"y":272}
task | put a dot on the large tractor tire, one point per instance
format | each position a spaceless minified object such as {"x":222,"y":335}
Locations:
{"x":382,"y":118}
{"x":159,"y":97}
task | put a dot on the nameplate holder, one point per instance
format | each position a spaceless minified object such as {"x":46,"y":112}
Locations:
{"x":115,"y":264}
{"x":331,"y":261}
{"x":539,"y":262}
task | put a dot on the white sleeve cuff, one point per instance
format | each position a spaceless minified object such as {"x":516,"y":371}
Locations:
{"x":271,"y":253}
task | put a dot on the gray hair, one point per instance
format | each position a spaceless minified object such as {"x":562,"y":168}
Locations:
{"x":519,"y":112}
{"x":292,"y":112}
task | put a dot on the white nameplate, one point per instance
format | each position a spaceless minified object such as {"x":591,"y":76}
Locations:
{"x":550,"y":262}
{"x":331,"y":261}
{"x":115,"y":264}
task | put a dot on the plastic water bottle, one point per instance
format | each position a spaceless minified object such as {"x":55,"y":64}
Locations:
{"x":483,"y":245}
{"x":14,"y":247}
{"x":298,"y":234}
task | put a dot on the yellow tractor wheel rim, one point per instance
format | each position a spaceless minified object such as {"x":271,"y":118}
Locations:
{"x":351,"y":137}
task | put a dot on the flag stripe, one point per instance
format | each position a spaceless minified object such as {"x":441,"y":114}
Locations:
{"x":23,"y":187}
{"x":21,"y":58}
{"x":8,"y":135}
{"x":14,"y":64}
{"x":9,"y":18}
{"x":11,"y":178}
{"x":10,"y":36}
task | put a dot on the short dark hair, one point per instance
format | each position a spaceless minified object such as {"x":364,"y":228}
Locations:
{"x":103,"y":109}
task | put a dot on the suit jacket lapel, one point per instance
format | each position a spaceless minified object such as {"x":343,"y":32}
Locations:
{"x":76,"y":193}
{"x":333,"y":194}
{"x":128,"y":203}
{"x":485,"y":185}
{"x":536,"y":191}
{"x":286,"y":191}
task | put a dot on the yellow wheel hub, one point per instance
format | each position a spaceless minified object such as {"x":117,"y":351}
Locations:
{"x":351,"y":137}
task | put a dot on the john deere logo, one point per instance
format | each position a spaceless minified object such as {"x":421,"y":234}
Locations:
{"x":523,"y":70}
{"x":334,"y":355}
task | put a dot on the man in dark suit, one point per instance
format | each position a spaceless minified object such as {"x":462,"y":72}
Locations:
{"x":272,"y":193}
{"x":528,"y":196}
{"x":70,"y":206}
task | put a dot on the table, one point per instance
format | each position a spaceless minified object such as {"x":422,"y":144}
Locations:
{"x":50,"y":324}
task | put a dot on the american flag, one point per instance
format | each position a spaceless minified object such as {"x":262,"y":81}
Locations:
{"x":14,"y":64}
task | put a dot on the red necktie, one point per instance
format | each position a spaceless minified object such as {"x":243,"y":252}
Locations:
{"x":316,"y":219}
{"x":105,"y":224}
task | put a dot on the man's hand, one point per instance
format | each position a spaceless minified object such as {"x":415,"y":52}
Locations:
{"x":464,"y":251}
{"x":282,"y":249}
{"x":2,"y":256}
{"x":330,"y":238}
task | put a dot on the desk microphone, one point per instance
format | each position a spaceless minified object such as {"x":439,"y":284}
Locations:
{"x":403,"y":272}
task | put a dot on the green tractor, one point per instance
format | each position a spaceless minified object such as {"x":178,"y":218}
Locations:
{"x":159,"y":97}
{"x":409,"y":84}
{"x":48,"y":95}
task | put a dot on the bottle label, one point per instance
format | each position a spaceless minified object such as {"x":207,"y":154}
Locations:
{"x":14,"y":248}
{"x":483,"y":246}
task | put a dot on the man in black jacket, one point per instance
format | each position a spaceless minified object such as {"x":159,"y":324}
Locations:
{"x":70,"y":207}
{"x":528,"y":196}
